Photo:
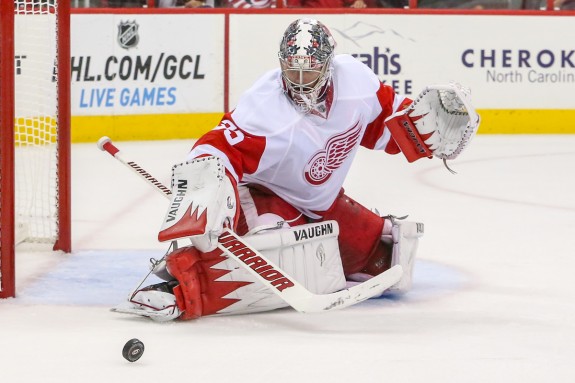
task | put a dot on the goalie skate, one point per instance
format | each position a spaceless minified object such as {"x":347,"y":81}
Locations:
{"x":158,"y":316}
{"x":155,"y":302}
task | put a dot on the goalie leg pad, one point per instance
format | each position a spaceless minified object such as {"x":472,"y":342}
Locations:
{"x":398,"y":248}
{"x":405,"y":236}
{"x":199,"y":293}
{"x":212,"y":284}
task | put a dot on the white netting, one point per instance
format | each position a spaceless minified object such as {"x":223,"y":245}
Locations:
{"x":36,"y":115}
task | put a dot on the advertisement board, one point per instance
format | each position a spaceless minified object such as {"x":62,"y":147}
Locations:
{"x":152,"y":76}
{"x":167,"y":68}
{"x":506,"y":61}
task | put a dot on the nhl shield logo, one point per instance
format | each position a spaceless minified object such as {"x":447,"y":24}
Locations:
{"x":128,"y":34}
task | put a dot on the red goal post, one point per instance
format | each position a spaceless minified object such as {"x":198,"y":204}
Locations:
{"x":34,"y":129}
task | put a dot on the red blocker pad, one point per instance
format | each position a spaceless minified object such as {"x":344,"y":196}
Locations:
{"x":407,"y":137}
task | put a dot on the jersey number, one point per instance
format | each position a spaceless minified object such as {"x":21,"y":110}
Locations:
{"x":232,"y":133}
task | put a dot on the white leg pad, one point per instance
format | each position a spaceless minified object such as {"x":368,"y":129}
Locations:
{"x":308,"y":253}
{"x":405,"y":238}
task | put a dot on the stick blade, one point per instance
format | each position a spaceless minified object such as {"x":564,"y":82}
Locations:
{"x":371,"y":288}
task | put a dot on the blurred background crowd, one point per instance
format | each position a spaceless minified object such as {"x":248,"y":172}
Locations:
{"x":423,"y":4}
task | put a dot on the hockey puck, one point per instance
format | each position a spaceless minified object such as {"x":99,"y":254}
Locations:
{"x":133,"y":350}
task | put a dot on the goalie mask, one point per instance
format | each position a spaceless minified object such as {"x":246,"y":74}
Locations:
{"x":305,"y":55}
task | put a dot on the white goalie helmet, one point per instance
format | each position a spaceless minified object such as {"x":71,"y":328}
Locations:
{"x":306,"y":51}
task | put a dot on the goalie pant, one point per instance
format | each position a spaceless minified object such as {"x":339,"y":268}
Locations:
{"x":318,"y":257}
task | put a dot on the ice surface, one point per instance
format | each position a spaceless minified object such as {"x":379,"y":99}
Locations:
{"x":493,"y":297}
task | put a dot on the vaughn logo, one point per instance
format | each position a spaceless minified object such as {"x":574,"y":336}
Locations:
{"x":128,"y":34}
{"x":313,"y":231}
{"x":177,"y":201}
{"x":320,"y":254}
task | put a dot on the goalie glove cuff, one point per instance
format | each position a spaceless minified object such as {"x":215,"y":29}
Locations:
{"x":407,"y":137}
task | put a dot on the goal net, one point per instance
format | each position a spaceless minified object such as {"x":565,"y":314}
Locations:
{"x":34,"y":106}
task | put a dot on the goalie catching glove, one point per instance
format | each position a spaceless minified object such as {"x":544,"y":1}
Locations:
{"x":440,"y":122}
{"x":204,"y":201}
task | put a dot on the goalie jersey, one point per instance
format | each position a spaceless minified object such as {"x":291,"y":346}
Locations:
{"x":304,"y":158}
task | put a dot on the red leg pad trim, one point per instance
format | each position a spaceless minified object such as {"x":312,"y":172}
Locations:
{"x":182,"y":264}
{"x":199,"y":294}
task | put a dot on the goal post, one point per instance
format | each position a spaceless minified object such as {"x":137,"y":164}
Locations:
{"x":35,"y":161}
{"x":6,"y":150}
{"x":64,"y":239}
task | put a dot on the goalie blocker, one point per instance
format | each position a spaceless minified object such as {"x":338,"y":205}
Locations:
{"x":440,"y":122}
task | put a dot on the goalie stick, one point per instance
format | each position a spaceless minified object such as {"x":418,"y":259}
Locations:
{"x":105,"y":144}
{"x":288,"y":289}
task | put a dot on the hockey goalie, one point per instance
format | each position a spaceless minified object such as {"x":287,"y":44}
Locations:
{"x":273,"y":172}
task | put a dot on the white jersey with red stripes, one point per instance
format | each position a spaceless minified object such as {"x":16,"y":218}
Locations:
{"x":304,"y":158}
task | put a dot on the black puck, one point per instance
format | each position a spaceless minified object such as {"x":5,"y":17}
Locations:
{"x":133,"y":350}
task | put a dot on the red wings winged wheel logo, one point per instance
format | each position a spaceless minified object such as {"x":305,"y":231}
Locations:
{"x":324,"y":162}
